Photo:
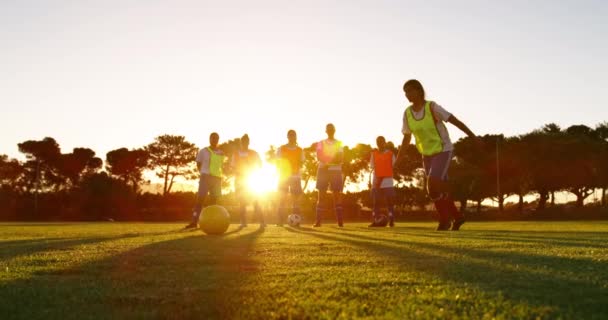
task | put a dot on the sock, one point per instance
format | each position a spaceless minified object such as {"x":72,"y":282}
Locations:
{"x":319,"y":213}
{"x":444,"y":214}
{"x":451,"y":208}
{"x":280,"y":215}
{"x":196,"y":213}
{"x":243,"y":211}
{"x":339,"y":213}
{"x":259,"y":213}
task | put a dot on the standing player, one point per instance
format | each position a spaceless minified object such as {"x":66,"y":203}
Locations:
{"x":244,"y":161}
{"x":425,"y":120}
{"x":209,"y":162}
{"x":381,"y":162}
{"x":290,"y":159}
{"x":330,"y":154}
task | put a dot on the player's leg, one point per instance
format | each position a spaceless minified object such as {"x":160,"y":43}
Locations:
{"x":295,"y":188}
{"x":203,"y":188}
{"x":259,"y":213}
{"x":241,"y":195}
{"x":389,"y":196}
{"x":336,"y":190}
{"x":437,"y":187}
{"x":282,"y":193}
{"x":375,"y":204}
{"x":322,"y":185}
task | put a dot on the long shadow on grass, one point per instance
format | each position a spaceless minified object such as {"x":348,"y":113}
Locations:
{"x":191,"y":276}
{"x":579,"y":297}
{"x":16,"y":248}
{"x":554,"y":265}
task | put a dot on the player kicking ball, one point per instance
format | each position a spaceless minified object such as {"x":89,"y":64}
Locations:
{"x":424,"y":119}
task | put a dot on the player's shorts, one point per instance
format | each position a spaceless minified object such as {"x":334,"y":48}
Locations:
{"x":327,"y":178}
{"x":209,"y":184}
{"x":291,"y":185}
{"x":437,"y":165}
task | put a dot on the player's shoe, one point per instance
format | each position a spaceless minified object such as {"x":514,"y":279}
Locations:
{"x":457,"y":224}
{"x":191,"y":225}
{"x":443,"y":226}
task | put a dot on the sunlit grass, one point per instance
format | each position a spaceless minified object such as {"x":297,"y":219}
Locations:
{"x":488,"y":270}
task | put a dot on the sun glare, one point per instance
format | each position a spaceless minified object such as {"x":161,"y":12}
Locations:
{"x":263,"y":180}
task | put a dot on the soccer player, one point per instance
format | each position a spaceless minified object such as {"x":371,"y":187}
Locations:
{"x":289,"y":160}
{"x":330,"y":154}
{"x":425,"y":120}
{"x":209,"y":162}
{"x":381,"y":163}
{"x":244,"y":161}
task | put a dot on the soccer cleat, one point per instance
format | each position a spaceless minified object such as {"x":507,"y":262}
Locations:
{"x":391,"y":223}
{"x":372,"y":225}
{"x":457,"y":224}
{"x":316,"y":225}
{"x":243,"y":225}
{"x":340,"y":225}
{"x":192,"y":225}
{"x":443,"y":226}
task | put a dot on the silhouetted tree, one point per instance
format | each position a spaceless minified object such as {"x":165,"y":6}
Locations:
{"x":356,"y":162}
{"x":11,"y":173}
{"x":41,"y":164}
{"x":81,"y":162}
{"x":170,"y":157}
{"x":128,"y":165}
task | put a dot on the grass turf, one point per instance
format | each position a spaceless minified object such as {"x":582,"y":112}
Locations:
{"x":511,"y":270}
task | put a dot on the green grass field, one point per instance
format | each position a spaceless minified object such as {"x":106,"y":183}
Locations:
{"x":510,"y":270}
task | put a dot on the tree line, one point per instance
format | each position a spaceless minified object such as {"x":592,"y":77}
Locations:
{"x":79,"y":185}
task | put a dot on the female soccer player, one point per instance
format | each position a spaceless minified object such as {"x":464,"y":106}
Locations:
{"x":425,"y":120}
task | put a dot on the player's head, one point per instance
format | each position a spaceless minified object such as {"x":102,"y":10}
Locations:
{"x":292,"y":137}
{"x":413,"y":90}
{"x":330,"y":129}
{"x":245,"y":142}
{"x":380,"y":142}
{"x":214,"y":139}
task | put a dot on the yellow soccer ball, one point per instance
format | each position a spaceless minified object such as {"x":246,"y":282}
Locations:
{"x":214,"y":219}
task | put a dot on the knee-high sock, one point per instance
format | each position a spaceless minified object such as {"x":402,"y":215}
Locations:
{"x":444,"y":214}
{"x":243,"y":211}
{"x":259,"y":213}
{"x":319,"y":213}
{"x":339,"y":212}
{"x":451,"y":208}
{"x":280,"y":214}
{"x":196,"y":212}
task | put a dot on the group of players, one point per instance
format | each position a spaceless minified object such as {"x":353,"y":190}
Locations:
{"x":423,"y":119}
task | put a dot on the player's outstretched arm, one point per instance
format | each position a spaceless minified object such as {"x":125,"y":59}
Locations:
{"x":463,"y":127}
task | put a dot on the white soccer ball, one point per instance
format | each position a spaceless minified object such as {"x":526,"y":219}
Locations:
{"x":294,"y":220}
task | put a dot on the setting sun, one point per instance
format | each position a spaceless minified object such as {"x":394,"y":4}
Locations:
{"x":263,"y":180}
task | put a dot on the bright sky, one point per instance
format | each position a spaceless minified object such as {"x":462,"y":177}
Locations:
{"x":110,"y":74}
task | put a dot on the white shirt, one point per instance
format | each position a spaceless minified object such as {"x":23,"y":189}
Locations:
{"x":441,"y":115}
{"x":387,"y":182}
